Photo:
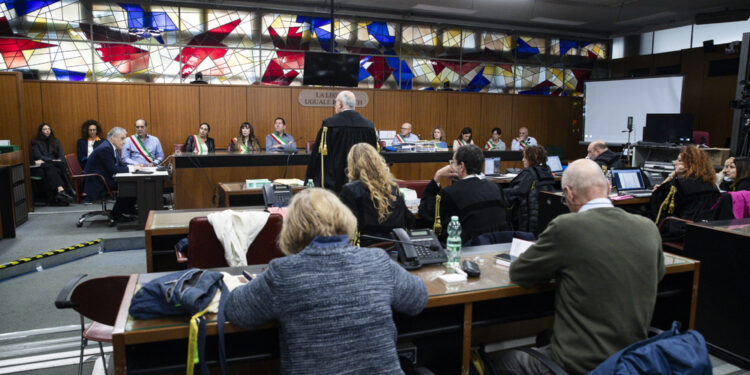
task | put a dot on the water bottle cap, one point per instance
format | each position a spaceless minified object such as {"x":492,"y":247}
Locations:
{"x":454,"y":218}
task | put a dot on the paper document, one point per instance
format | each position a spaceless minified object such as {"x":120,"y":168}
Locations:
{"x":519,"y":246}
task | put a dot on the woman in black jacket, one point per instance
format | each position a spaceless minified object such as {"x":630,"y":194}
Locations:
{"x":739,"y":173}
{"x":523,"y":190}
{"x":372,"y":194}
{"x":688,"y":193}
{"x":204,"y":143}
{"x":91,"y":136}
{"x":49,"y":156}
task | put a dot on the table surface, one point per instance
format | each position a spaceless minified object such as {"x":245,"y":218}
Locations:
{"x":618,"y":202}
{"x":154,"y":174}
{"x":241,"y":187}
{"x":494,"y":282}
{"x":739,"y":227}
{"x":176,"y":219}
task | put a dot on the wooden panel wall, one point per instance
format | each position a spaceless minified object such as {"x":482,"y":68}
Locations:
{"x":707,"y":98}
{"x":11,"y":97}
{"x":174,"y":111}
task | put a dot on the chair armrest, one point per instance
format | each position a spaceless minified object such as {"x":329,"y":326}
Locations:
{"x":104,"y":181}
{"x":63,"y":299}
{"x":181,"y":258}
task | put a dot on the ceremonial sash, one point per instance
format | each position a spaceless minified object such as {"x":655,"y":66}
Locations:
{"x":523,"y":144}
{"x":199,"y":149}
{"x":141,"y":148}
{"x":242,"y":145}
{"x":490,"y":145}
{"x":400,"y":140}
{"x":278,"y":139}
{"x":462,"y":142}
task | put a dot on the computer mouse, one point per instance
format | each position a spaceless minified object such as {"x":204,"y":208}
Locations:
{"x":471,"y":268}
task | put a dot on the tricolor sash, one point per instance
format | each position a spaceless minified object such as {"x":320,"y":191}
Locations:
{"x":278,"y":139}
{"x":141,"y":148}
{"x":199,"y":148}
{"x":462,"y":142}
{"x":524,"y":143}
{"x":400,"y":139}
{"x":490,"y":145}
{"x":242,"y":145}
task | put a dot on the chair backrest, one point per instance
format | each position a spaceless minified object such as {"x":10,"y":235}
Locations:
{"x":555,"y":150}
{"x":179,"y":147}
{"x":99,"y":299}
{"x":500,"y":237}
{"x":701,"y":137}
{"x":416,"y":185}
{"x":73,"y":166}
{"x":309,"y":145}
{"x":205,"y":249}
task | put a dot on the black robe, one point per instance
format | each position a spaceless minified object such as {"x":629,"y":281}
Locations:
{"x":610,"y":159}
{"x":345,"y":129}
{"x":693,"y":201}
{"x":356,"y":196}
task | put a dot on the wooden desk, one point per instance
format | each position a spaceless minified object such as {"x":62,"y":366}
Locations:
{"x":232,"y":194}
{"x":452,"y":311}
{"x":164,"y":228}
{"x":148,"y":189}
{"x":723,"y":248}
{"x":14,"y":202}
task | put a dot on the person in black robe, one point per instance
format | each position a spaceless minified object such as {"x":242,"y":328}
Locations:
{"x":478,"y":203}
{"x":522,"y":194}
{"x":598,"y":152}
{"x":337,"y":135}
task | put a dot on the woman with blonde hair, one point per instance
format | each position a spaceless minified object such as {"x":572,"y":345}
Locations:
{"x":333,"y":301}
{"x":373,"y":195}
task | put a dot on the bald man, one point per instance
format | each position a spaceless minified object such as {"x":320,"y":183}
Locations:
{"x":602,"y":155}
{"x":606,"y":264}
{"x":523,"y":140}
{"x":342,"y":131}
{"x":406,"y":136}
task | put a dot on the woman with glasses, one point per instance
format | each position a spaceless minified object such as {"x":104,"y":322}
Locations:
{"x":372,"y":194}
{"x":523,"y":190}
{"x":688,"y":192}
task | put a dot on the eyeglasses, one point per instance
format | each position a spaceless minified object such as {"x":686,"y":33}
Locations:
{"x":452,"y":162}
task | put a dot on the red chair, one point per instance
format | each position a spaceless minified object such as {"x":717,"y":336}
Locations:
{"x":98,"y":300}
{"x":179,"y":147}
{"x":309,"y":146}
{"x":701,"y":137}
{"x":205,"y":249}
{"x":416,"y":185}
{"x":77,"y":175}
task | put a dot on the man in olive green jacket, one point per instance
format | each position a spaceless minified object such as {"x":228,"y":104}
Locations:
{"x":606,"y":264}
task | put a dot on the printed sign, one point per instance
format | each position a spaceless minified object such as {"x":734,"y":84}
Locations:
{"x":327,"y":98}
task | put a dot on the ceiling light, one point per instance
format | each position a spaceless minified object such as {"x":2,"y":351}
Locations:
{"x":557,"y":21}
{"x":442,"y":9}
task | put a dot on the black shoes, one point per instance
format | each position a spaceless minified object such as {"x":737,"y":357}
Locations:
{"x":62,"y":199}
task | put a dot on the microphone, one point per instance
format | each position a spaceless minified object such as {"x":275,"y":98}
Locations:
{"x":433,"y":246}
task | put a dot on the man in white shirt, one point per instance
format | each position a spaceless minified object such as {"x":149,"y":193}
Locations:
{"x":406,"y":135}
{"x":523,"y":140}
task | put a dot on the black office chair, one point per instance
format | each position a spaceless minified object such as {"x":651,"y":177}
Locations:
{"x":96,"y":299}
{"x":78,"y":178}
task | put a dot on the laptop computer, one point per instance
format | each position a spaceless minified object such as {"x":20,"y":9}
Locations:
{"x":492,"y":167}
{"x":630,"y":182}
{"x":554,"y":164}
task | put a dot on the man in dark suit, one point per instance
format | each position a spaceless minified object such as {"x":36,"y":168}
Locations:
{"x":105,"y":160}
{"x":478,"y":203}
{"x":337,"y":135}
{"x":602,"y":155}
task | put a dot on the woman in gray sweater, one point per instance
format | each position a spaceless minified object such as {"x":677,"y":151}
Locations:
{"x":332,"y":300}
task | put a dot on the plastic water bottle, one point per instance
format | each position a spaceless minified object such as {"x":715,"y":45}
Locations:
{"x":310,"y":183}
{"x":454,"y":243}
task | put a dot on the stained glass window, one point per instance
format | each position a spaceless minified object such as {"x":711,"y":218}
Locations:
{"x":110,"y":41}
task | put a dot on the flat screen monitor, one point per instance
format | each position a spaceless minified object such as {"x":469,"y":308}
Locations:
{"x":668,"y":127}
{"x":491,"y":166}
{"x":331,"y":69}
{"x":554,"y":164}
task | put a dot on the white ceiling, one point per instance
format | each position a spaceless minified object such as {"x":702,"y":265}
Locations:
{"x":589,"y":18}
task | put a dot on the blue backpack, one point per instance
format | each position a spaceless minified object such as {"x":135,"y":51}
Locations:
{"x":669,"y":352}
{"x":188,"y":293}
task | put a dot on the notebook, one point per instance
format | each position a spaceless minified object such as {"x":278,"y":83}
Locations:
{"x":630,"y":182}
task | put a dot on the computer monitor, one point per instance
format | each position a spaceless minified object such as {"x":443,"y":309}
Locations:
{"x":668,"y":127}
{"x":491,"y":166}
{"x":554,"y":164}
{"x":331,"y":69}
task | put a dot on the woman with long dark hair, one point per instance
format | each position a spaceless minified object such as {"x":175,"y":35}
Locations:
{"x":91,"y":136}
{"x":245,"y":141}
{"x":200,"y":143}
{"x":48,"y":155}
{"x":522,"y":192}
{"x":463,"y":139}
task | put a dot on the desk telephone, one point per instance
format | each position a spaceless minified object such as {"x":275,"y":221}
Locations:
{"x":277,"y":195}
{"x":418,"y":247}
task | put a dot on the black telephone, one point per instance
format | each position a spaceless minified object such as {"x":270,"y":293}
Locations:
{"x":277,"y":195}
{"x":418,"y":247}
